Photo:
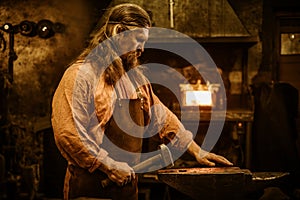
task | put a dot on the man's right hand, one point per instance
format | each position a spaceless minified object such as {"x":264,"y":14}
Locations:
{"x":119,"y":172}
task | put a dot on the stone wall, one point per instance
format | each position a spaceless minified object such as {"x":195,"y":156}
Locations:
{"x":41,"y":62}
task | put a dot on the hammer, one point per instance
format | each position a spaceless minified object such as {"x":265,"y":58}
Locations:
{"x":164,"y":158}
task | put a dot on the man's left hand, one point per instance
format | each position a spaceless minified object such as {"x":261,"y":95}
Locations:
{"x":207,"y":158}
{"x":210,"y":159}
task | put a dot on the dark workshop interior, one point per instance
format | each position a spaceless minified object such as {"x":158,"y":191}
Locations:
{"x":255,"y":44}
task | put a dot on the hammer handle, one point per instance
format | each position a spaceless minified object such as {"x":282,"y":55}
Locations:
{"x":139,"y":167}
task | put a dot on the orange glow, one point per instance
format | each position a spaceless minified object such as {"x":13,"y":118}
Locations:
{"x":198,"y":98}
{"x":240,"y":124}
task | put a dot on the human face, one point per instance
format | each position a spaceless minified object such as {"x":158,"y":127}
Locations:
{"x":133,"y":41}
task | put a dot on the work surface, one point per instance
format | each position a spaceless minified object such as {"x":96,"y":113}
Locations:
{"x":219,"y":182}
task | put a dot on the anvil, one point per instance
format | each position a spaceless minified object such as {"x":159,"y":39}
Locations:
{"x":219,"y":182}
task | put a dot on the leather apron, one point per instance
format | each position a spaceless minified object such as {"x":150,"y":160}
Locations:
{"x":85,"y":184}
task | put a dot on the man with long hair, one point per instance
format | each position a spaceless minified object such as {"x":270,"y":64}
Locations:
{"x":104,"y":106}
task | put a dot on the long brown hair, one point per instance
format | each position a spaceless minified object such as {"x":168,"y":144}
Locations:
{"x":122,"y":15}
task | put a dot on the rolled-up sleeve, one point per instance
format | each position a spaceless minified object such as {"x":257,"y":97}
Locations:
{"x":77,"y":132}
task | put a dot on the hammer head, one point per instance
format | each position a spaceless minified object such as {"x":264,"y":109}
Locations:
{"x":167,"y":158}
{"x":158,"y":161}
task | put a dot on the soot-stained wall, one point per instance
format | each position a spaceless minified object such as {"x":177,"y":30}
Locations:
{"x":41,"y":62}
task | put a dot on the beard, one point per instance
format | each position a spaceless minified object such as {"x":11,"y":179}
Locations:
{"x":130,"y":60}
{"x":127,"y":62}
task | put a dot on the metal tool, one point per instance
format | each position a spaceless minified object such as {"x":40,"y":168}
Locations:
{"x":215,"y":183}
{"x":163,"y":159}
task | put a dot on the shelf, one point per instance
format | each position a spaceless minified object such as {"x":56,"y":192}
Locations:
{"x":206,"y":115}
